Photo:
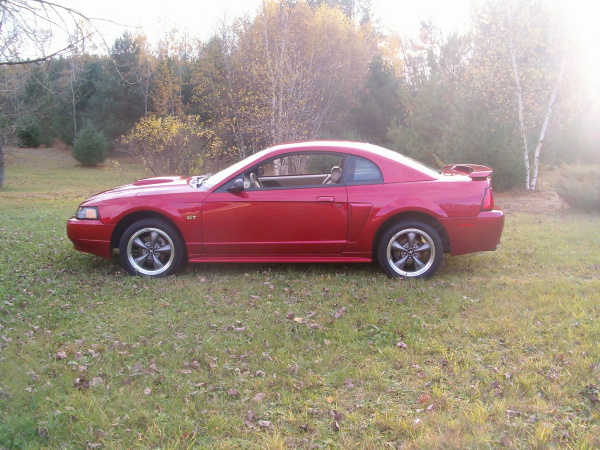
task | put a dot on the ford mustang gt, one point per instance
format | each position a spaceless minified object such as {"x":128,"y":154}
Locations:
{"x":304,"y":202}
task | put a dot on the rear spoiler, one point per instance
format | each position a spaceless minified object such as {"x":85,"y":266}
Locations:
{"x":473,"y":171}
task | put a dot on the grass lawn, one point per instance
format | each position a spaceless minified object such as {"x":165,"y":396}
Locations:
{"x":498,"y":349}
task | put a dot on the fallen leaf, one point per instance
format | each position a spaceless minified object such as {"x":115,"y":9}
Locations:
{"x":340,"y":312}
{"x":264,"y":423}
{"x":337,"y":416}
{"x":511,"y":413}
{"x":233,"y":393}
{"x":259,"y":397}
{"x":96,"y":381}
{"x":81,"y":383}
{"x":424,"y":398}
{"x":401,"y":345}
{"x":61,"y":354}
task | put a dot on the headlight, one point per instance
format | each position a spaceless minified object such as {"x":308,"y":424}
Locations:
{"x":87,"y":213}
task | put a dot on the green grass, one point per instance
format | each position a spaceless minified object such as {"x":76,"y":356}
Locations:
{"x":502,"y":348}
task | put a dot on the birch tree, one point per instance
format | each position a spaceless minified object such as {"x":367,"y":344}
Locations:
{"x":520,"y":60}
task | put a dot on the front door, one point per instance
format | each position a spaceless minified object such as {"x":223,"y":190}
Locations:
{"x":289,"y":213}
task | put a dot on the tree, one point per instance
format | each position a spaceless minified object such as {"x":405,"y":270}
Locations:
{"x":27,"y":26}
{"x":120,"y":86}
{"x":379,"y":102}
{"x":520,"y":59}
{"x":273,"y":79}
{"x":165,"y":96}
{"x":90,"y":147}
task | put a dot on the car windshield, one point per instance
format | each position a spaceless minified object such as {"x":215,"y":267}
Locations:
{"x":224,"y":174}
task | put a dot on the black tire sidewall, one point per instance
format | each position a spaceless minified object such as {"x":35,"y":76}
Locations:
{"x":168,"y":229}
{"x":403,"y":225}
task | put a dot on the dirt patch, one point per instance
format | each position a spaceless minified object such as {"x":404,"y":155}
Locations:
{"x":544,"y":201}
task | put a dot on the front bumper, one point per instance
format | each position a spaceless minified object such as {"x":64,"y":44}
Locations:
{"x":91,"y":236}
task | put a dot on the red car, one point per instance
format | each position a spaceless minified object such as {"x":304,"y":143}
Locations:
{"x":308,"y":202}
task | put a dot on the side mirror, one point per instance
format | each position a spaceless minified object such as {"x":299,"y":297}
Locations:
{"x":237,"y":186}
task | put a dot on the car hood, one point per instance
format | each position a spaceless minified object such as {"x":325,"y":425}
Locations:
{"x":147,"y":186}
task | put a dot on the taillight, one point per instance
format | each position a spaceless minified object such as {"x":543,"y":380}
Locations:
{"x":488,"y":200}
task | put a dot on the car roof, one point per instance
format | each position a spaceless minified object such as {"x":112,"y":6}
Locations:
{"x":405,"y":169}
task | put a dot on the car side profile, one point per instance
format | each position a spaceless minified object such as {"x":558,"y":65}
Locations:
{"x":304,"y":202}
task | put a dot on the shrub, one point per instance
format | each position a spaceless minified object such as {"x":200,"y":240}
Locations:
{"x":173,"y":145}
{"x":579,"y":187}
{"x":29,"y":134}
{"x":91,"y":146}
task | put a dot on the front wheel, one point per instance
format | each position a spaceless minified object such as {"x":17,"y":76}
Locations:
{"x":151,"y":248}
{"x":410,"y":249}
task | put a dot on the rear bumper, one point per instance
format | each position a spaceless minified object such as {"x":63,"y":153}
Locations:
{"x":90,"y":236}
{"x":474,"y":234}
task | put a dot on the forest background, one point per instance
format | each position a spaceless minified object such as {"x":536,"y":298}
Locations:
{"x":509,"y":92}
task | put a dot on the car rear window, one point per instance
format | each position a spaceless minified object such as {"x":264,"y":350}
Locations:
{"x":363,"y":171}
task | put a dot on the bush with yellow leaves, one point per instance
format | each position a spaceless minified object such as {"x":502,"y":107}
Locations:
{"x":172,"y":145}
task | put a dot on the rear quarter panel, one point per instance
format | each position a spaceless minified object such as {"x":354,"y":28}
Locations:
{"x":449,"y":200}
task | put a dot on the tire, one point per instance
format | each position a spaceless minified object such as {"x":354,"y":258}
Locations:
{"x":151,"y":248}
{"x":410,"y":249}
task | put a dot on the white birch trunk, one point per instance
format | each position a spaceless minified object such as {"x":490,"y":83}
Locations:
{"x":538,"y":147}
{"x":515,"y":67}
{"x":1,"y":166}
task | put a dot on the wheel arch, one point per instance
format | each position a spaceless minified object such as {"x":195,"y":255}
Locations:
{"x":411,"y":215}
{"x":135,"y":216}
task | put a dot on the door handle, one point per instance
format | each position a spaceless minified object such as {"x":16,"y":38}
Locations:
{"x":326,"y":199}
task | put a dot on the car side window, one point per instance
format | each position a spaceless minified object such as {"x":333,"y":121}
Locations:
{"x":363,"y":171}
{"x":298,"y":170}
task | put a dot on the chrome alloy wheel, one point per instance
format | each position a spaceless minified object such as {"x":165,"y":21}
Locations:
{"x":150,"y":251}
{"x":410,"y":252}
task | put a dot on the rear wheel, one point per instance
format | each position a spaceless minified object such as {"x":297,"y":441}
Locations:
{"x":151,"y":248}
{"x":410,"y":249}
